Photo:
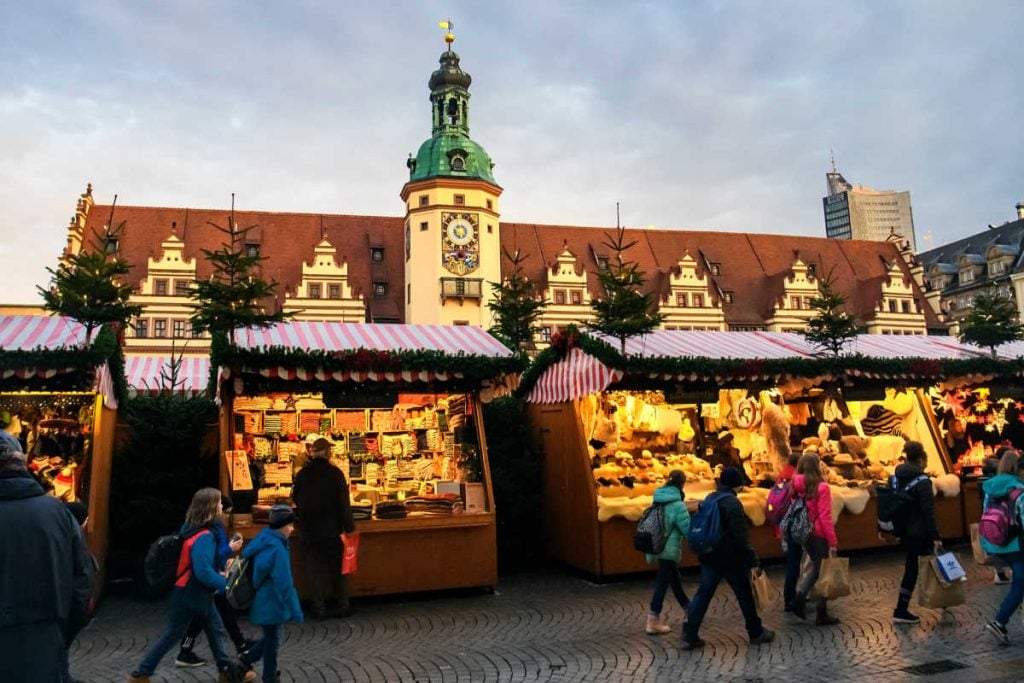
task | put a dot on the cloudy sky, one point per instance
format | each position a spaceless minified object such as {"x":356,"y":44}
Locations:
{"x":703,"y":114}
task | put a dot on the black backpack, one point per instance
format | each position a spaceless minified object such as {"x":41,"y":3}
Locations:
{"x":896,"y":505}
{"x":241,"y":591}
{"x":649,"y":536}
{"x":161,"y":563}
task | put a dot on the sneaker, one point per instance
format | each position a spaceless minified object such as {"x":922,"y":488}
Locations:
{"x":905,"y":617}
{"x":694,"y":644}
{"x":188,"y":658}
{"x":246,"y":646}
{"x":1000,"y":578}
{"x":999,"y":631}
{"x":766,"y":636}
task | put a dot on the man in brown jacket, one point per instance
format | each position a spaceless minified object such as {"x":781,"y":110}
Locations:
{"x":321,"y":495}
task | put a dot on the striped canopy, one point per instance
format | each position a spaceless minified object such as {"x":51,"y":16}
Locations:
{"x":151,"y":374}
{"x":39,"y":332}
{"x":578,"y":374}
{"x":705,"y":344}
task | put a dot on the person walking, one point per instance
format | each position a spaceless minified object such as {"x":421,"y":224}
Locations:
{"x":275,"y":601}
{"x":731,"y":558}
{"x":922,"y":533}
{"x":320,"y":493}
{"x":998,"y":489}
{"x":792,"y":559}
{"x":224,"y":548}
{"x":677,"y":525}
{"x":43,"y":562}
{"x":192,"y":596}
{"x":810,"y":486}
{"x":81,"y":614}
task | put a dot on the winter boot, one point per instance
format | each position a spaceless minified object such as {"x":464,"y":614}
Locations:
{"x":655,"y":626}
{"x":823,"y":618}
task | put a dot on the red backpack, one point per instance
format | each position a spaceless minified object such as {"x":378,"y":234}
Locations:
{"x":999,"y":524}
{"x":779,"y":499}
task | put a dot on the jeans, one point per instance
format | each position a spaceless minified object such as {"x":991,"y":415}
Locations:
{"x":179,"y":614}
{"x":738,"y":579}
{"x":668,"y":575}
{"x":266,"y":649}
{"x":817,"y":550}
{"x":1016,"y":593}
{"x":794,"y":555}
{"x":323,"y":568}
{"x":227,"y":617}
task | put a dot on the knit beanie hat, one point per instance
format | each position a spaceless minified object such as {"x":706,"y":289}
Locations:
{"x":281,"y":515}
{"x":730,"y":477}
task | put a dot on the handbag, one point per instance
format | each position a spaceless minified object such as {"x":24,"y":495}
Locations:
{"x":932,"y":591}
{"x":834,"y":578}
{"x":980,"y":556}
{"x":350,"y":558}
{"x":949,"y":567}
{"x":765,"y":594}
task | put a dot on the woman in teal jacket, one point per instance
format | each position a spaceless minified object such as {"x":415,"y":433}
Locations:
{"x":1006,"y":480}
{"x":276,"y":601}
{"x":677,"y":524}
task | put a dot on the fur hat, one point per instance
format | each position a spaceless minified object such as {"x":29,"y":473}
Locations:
{"x":281,"y":515}
{"x":731,"y":477}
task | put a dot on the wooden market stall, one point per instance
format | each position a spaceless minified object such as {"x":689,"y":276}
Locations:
{"x":611,"y":426}
{"x":153,"y":374}
{"x":401,"y":405}
{"x":57,"y":396}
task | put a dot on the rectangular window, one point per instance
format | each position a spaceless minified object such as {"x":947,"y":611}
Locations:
{"x":576,"y":296}
{"x":490,"y":204}
{"x":141,"y":328}
{"x":380,"y":289}
{"x":178,"y":329}
{"x":967,"y":275}
{"x":160,"y":287}
{"x":545,"y":334}
{"x":252,"y":250}
{"x":681,"y":300}
{"x":892,"y":305}
{"x":795,"y":302}
{"x":424,"y":226}
{"x":559,"y":297}
{"x":196,"y":332}
{"x":334,"y":291}
{"x":314,"y":291}
{"x":807,"y":302}
{"x":698,"y":300}
{"x":424,"y":200}
{"x":377,"y":254}
{"x":159,"y":329}
{"x":181,"y":287}
{"x":460,"y":199}
{"x":905,"y":306}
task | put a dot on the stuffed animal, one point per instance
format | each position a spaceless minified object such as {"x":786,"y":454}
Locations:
{"x":775,"y":429}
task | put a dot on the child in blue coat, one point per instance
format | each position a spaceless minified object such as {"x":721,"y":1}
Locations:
{"x":677,"y":525}
{"x":276,"y":601}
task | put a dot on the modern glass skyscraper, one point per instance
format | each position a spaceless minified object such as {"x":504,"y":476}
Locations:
{"x":860,"y":213}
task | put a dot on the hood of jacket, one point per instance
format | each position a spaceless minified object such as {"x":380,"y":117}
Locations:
{"x":268,"y":538}
{"x":667,"y":494}
{"x":1001,"y":484}
{"x":19,"y":485}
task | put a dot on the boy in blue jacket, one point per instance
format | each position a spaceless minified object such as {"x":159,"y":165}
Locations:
{"x":276,"y":601}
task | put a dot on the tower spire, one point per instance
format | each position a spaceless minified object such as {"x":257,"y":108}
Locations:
{"x":449,"y":26}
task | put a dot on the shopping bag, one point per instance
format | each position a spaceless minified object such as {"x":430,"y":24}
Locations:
{"x":834,"y":578}
{"x":932,"y":591}
{"x":765,"y":594}
{"x":350,"y":558}
{"x":949,"y":567}
{"x":980,"y":556}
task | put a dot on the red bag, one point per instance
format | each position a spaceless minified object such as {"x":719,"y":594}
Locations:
{"x":350,"y":558}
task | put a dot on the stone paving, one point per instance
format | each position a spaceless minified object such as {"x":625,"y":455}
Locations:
{"x":557,"y":627}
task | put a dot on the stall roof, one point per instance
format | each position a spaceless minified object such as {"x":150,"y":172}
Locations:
{"x":151,"y":374}
{"x":330,"y":337}
{"x":912,"y":346}
{"x":704,"y":344}
{"x":40,"y":332}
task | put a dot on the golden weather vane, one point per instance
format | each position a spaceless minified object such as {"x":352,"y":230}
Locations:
{"x":449,"y":26}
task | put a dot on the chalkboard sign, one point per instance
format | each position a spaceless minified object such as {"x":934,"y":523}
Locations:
{"x":356,"y":469}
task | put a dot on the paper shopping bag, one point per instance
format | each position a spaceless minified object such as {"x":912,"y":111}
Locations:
{"x":765,"y":594}
{"x":350,"y":558}
{"x":834,"y":579}
{"x":980,"y":556}
{"x":949,"y":567}
{"x":932,"y":591}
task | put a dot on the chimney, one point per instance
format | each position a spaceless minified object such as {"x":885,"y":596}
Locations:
{"x":1020,"y":210}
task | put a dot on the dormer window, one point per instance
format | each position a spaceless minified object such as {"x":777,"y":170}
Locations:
{"x":457,"y":160}
{"x":602,"y":262}
{"x":380,"y":289}
{"x":967,"y":275}
{"x":812,"y":271}
{"x":997,"y":267}
{"x":377,"y":254}
{"x":111,"y":245}
{"x":727,"y":297}
{"x":252,"y":250}
{"x":716,"y":268}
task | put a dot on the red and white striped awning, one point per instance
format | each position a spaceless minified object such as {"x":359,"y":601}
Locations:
{"x":578,"y":374}
{"x":39,"y":332}
{"x":912,"y":346}
{"x":328,"y":336}
{"x":152,"y":374}
{"x":706,"y":344}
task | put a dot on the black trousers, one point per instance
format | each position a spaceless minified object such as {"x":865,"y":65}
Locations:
{"x":227,"y":615}
{"x":323,"y":569}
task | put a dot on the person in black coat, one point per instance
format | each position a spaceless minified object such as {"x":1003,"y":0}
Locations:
{"x":45,"y":577}
{"x":922,"y":535}
{"x":320,"y":493}
{"x":731,"y":558}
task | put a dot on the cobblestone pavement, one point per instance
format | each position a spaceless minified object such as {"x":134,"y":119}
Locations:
{"x":558,"y":627}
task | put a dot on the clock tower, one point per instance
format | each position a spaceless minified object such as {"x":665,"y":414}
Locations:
{"x":452,"y":247}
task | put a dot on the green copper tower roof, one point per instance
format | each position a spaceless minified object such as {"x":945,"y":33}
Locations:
{"x":450,"y":153}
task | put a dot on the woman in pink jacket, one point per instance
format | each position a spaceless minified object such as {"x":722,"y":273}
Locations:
{"x":809,"y":485}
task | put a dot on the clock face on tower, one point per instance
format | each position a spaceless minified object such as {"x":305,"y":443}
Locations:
{"x":460,"y":242}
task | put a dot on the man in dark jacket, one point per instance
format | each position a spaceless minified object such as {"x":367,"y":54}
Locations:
{"x":731,"y":558}
{"x":922,"y":535}
{"x":320,"y":493}
{"x":42,"y":562}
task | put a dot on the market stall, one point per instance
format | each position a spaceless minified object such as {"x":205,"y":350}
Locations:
{"x":153,"y":374}
{"x":57,"y":396}
{"x":401,"y":406}
{"x":612,"y":426}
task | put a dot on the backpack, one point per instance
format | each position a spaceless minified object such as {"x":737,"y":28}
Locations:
{"x":705,"y":526}
{"x":796,"y":525}
{"x":240,"y":591}
{"x":649,"y":536}
{"x":895,"y":505}
{"x":780,"y":497}
{"x":999,"y":524}
{"x":162,"y":559}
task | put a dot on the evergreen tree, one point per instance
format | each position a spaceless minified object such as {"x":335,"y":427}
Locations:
{"x":832,"y":327}
{"x":992,"y":322}
{"x":624,"y":311}
{"x":233,"y":296}
{"x":516,"y":306}
{"x":89,"y":286}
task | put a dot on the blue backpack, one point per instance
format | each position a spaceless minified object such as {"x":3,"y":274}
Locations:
{"x":705,"y":526}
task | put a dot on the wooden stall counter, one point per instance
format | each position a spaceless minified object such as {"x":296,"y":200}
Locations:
{"x":417,"y":553}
